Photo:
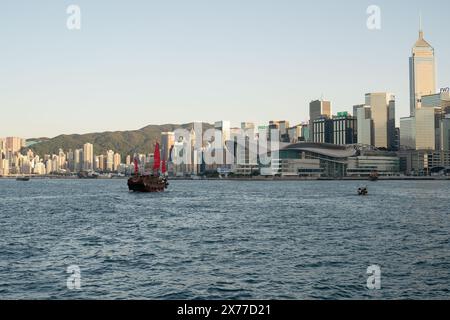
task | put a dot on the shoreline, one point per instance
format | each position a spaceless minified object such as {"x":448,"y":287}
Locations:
{"x":253,"y":179}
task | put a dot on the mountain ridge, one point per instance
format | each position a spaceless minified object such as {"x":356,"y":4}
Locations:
{"x":124,"y":142}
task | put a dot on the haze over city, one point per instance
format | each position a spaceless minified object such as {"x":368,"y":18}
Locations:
{"x":147,"y":62}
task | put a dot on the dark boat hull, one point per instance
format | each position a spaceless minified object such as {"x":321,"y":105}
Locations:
{"x":147,"y":184}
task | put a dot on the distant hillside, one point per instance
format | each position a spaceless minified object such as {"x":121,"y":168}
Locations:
{"x":124,"y":142}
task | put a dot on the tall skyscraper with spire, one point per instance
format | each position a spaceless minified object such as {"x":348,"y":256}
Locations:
{"x":422,"y":71}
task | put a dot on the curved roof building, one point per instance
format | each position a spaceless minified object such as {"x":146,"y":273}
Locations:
{"x":323,"y":149}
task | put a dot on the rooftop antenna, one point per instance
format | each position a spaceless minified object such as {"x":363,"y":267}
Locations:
{"x":420,"y":26}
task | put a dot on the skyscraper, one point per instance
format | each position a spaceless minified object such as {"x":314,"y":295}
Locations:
{"x":445,"y":133}
{"x":117,"y":161}
{"x":318,"y":109}
{"x":78,"y":160}
{"x":14,"y":144}
{"x":422,"y":73}
{"x":426,"y":136}
{"x":383,"y":113}
{"x":167,"y":142}
{"x":110,"y":160}
{"x":225,"y":128}
{"x":88,"y":157}
{"x":365,"y":125}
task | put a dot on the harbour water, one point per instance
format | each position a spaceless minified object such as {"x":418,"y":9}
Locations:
{"x":224,"y":240}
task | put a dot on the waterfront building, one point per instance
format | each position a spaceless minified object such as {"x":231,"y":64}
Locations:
{"x":322,"y":130}
{"x":78,"y":160}
{"x":48,"y":166}
{"x":88,"y":157}
{"x":101,"y":166}
{"x":424,"y":162}
{"x":437,"y":100}
{"x":39,"y":168}
{"x":110,"y":161}
{"x":340,"y":130}
{"x":383,"y":115}
{"x":332,"y":158}
{"x":362,"y":166}
{"x":344,"y":129}
{"x":408,"y":133}
{"x":225,"y":128}
{"x":4,"y":167}
{"x":14,"y":144}
{"x":365,"y":125}
{"x":283,"y":127}
{"x":167,"y":142}
{"x":295,"y":134}
{"x":422,"y":73}
{"x":445,"y":133}
{"x":427,"y":121}
{"x":116,"y":162}
{"x":318,"y":109}
{"x":248,"y":126}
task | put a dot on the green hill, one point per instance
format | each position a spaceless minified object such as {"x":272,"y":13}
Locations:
{"x":124,"y":142}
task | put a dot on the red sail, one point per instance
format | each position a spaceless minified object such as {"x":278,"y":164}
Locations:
{"x":157,"y":158}
{"x":163,"y":168}
{"x":136,"y":166}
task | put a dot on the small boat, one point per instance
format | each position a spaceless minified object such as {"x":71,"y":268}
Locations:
{"x":363,"y":191}
{"x":374,"y":176}
{"x":23,"y":178}
{"x":156,"y":182}
{"x":87,"y":175}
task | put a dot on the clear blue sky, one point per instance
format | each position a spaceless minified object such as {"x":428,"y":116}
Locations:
{"x":141,"y":62}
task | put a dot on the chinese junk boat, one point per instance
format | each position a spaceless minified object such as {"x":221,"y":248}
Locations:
{"x":155,"y":182}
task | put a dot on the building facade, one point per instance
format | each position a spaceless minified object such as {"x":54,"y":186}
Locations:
{"x":422,"y":73}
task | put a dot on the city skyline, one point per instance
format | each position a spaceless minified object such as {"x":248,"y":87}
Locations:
{"x":277,"y":81}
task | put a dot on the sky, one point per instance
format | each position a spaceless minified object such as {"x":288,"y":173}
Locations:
{"x":140,"y":62}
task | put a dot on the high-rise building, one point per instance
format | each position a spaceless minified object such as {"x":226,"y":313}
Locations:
{"x":344,"y":129}
{"x":167,"y":142}
{"x":225,"y":128}
{"x":88,"y":157}
{"x":408,"y":133}
{"x":110,"y":160}
{"x":101,"y":163}
{"x":322,"y":130}
{"x":439,"y":100}
{"x":383,"y":115}
{"x":248,"y":126}
{"x":283,"y":127}
{"x":14,"y":144}
{"x":445,"y":133}
{"x":318,"y":109}
{"x":422,"y":73}
{"x":116,"y":162}
{"x":77,"y":160}
{"x":426,"y":135}
{"x":365,"y":125}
